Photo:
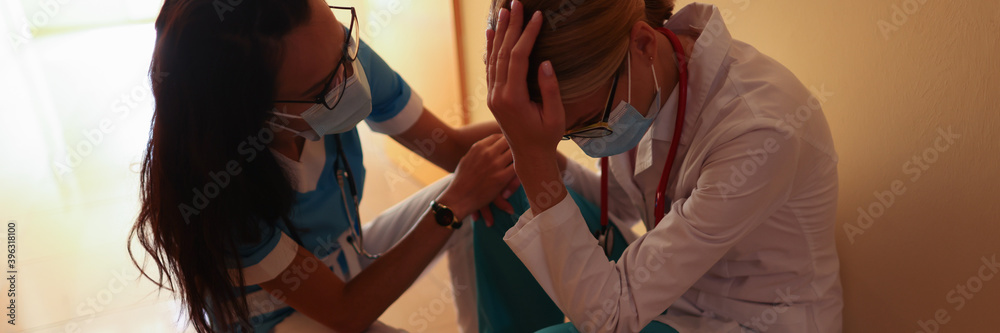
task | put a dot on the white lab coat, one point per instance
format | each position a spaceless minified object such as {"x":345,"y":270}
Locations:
{"x":748,"y":242}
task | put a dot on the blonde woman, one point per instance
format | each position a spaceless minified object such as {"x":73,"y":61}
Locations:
{"x":719,"y":150}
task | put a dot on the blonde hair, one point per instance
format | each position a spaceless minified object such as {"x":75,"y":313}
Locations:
{"x":586,"y":40}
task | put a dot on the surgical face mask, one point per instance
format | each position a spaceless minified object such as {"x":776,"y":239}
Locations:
{"x":353,"y":107}
{"x":627,"y":125}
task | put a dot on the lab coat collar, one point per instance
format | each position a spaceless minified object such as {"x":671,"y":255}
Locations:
{"x":706,"y":60}
{"x":707,"y":56}
{"x":662,"y":130}
{"x":663,"y":126}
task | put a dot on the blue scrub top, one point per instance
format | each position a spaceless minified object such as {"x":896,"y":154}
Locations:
{"x":320,"y":215}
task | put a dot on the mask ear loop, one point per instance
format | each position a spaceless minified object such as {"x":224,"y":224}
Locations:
{"x":628,"y":59}
{"x":652,"y":66}
{"x":285,"y":115}
{"x":307,"y":135}
{"x":656,"y":83}
{"x":284,"y":128}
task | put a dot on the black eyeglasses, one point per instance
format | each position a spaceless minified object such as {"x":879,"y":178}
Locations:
{"x":601,"y":128}
{"x":349,"y":54}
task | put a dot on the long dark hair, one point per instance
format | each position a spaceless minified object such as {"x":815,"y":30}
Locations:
{"x":206,"y":182}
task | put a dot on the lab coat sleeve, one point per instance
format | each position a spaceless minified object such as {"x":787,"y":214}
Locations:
{"x":588,"y":183}
{"x":656,"y":269}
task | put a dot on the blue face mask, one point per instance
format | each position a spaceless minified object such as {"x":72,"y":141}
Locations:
{"x":628,"y":126}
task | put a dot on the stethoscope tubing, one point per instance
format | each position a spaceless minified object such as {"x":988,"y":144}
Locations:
{"x":661,"y":188}
{"x":357,"y":235}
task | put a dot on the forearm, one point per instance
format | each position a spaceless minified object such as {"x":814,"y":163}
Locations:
{"x":541,"y":177}
{"x":355,"y":305}
{"x":582,"y":180}
{"x":440,"y":143}
{"x":311,"y":289}
{"x":463,"y":138}
{"x":380,"y":284}
{"x":471,"y":134}
{"x":385,"y":279}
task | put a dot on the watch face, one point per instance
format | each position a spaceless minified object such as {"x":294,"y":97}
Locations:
{"x":444,"y":216}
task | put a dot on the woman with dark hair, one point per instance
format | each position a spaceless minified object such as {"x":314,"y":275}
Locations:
{"x":253,"y":171}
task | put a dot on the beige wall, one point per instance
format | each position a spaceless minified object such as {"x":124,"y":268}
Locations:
{"x":888,"y":97}
{"x":417,"y":39}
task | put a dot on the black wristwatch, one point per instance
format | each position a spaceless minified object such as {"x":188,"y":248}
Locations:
{"x":444,"y":216}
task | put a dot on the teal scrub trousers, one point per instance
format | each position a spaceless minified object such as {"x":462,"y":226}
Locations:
{"x":509,"y":299}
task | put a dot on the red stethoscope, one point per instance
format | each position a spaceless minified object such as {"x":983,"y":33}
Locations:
{"x":606,"y":239}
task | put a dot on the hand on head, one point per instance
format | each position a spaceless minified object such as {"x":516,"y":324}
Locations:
{"x":532,"y":129}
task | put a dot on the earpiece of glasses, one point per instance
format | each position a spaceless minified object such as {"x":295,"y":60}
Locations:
{"x":589,"y":133}
{"x":352,"y":43}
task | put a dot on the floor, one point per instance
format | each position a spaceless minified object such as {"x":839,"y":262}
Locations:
{"x":71,"y":186}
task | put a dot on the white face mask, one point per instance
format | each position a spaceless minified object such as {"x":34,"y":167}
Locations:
{"x":354,"y":106}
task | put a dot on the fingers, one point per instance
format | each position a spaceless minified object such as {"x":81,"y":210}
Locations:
{"x":501,"y":201}
{"x":552,"y":107}
{"x":501,"y":150}
{"x":487,"y":215}
{"x":498,"y":36}
{"x":518,"y":71}
{"x":505,"y":206}
{"x":485,"y":143}
{"x":489,"y":50}
{"x":507,"y":157}
{"x":508,"y":172}
{"x":512,"y":33}
{"x":498,"y":144}
{"x":496,"y":137}
{"x":511,"y":187}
